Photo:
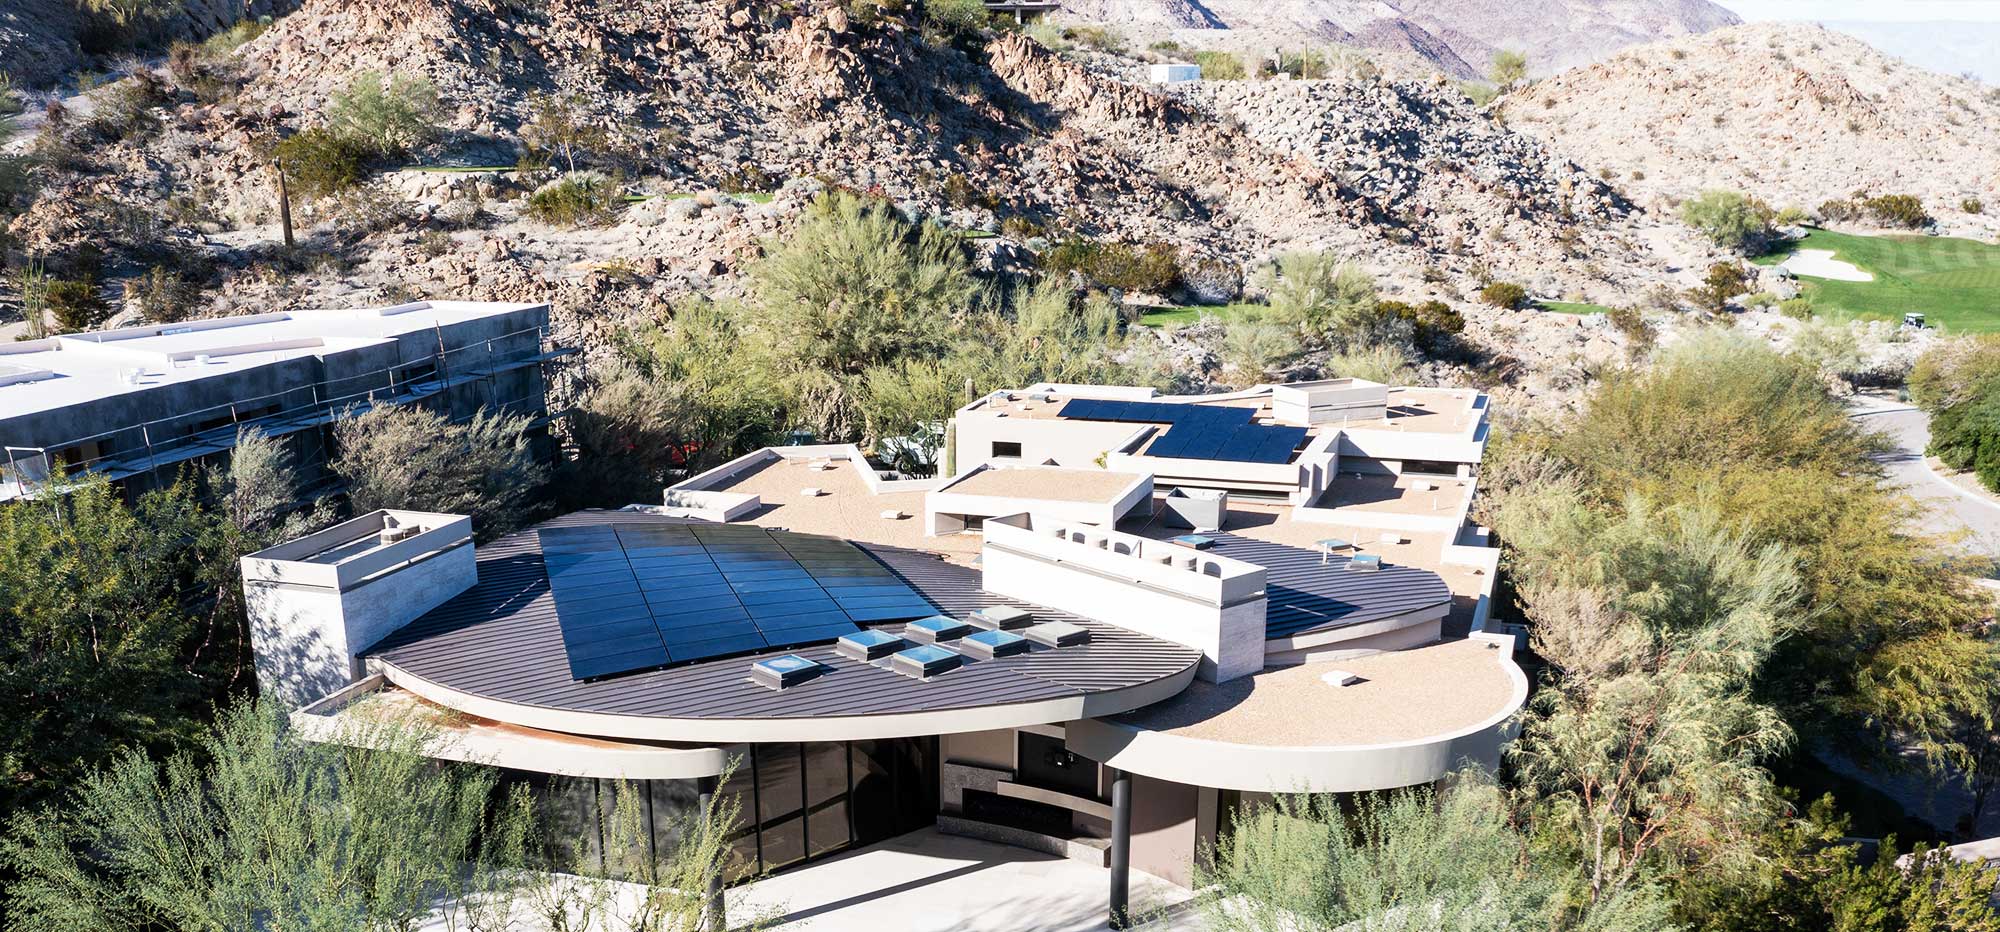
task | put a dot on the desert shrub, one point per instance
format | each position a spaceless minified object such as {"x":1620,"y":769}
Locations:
{"x":1309,"y":64}
{"x":319,"y":162}
{"x":957,"y":18}
{"x":1254,"y":347}
{"x":1479,"y":92}
{"x":1790,"y":216}
{"x":959,"y":191}
{"x":1631,"y":322}
{"x":562,"y":128}
{"x":1508,"y":68}
{"x":1101,"y":38}
{"x":1166,"y":47}
{"x":1433,"y":322}
{"x":164,"y":295}
{"x":1724,"y":280}
{"x":1897,"y":210}
{"x":125,"y":111}
{"x":748,"y":178}
{"x":1050,"y":35}
{"x":229,"y":40}
{"x":1379,"y":363}
{"x":1839,"y":210}
{"x":1504,"y":295}
{"x":578,"y":198}
{"x":386,"y":116}
{"x":1959,"y":384}
{"x":1150,"y":269}
{"x":1729,"y":219}
{"x":408,"y":457}
{"x":1335,"y":301}
{"x":1972,"y":205}
{"x":1020,"y":228}
{"x":1796,"y":308}
{"x":75,"y":303}
{"x":1220,"y":66}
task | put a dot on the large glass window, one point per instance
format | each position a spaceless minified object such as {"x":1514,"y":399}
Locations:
{"x":781,"y":804}
{"x":796,"y":802}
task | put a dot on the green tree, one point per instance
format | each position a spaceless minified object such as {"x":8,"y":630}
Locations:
{"x":405,"y":456}
{"x":1808,"y":878}
{"x":101,"y":644}
{"x":264,"y":830}
{"x":1729,"y":219}
{"x":1958,"y":383}
{"x":387,"y":115}
{"x":1334,"y":301}
{"x":563,"y":128}
{"x":905,"y":405}
{"x":1509,"y":68}
{"x":852,"y":287}
{"x":1413,"y":860}
{"x":1647,"y":744}
{"x":1888,"y":638}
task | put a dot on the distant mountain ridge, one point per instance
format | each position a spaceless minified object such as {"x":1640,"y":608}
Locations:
{"x":1459,"y":37}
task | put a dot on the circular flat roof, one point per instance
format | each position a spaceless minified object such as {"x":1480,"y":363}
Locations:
{"x":497,"y":651}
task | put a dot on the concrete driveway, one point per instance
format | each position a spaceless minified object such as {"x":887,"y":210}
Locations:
{"x":1952,"y":510}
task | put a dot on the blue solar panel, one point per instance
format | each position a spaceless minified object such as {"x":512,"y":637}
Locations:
{"x":1200,"y":432}
{"x":684,"y":593}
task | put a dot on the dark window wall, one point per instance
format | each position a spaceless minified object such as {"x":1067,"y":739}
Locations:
{"x":797,"y":802}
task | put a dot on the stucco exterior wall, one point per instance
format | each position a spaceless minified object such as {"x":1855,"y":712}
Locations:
{"x":306,"y":637}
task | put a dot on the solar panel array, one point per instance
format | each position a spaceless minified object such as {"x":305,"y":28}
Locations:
{"x":636,"y":597}
{"x":1197,"y":432}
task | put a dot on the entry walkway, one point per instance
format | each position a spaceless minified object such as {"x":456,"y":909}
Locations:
{"x":928,"y":881}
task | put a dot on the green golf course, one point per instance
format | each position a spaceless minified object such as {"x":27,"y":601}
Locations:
{"x":1954,"y":283}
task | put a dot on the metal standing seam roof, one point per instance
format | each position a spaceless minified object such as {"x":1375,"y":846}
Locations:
{"x":1303,"y":596}
{"x":500,"y":640}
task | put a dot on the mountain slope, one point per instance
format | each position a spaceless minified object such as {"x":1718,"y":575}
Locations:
{"x":1795,"y":114}
{"x":1458,"y":37}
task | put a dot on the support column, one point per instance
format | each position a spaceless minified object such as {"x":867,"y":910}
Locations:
{"x":1121,"y":849}
{"x":717,"y":918}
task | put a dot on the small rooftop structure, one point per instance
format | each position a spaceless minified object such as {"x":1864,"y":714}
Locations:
{"x":1092,"y":496}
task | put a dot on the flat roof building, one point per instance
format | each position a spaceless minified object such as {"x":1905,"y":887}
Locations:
{"x":136,"y":403}
{"x":1040,"y":648}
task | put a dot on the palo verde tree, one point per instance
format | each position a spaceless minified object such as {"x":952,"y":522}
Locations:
{"x":855,"y":286}
{"x":1645,"y":749}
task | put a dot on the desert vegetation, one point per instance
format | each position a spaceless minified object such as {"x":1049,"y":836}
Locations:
{"x":1959,"y":384}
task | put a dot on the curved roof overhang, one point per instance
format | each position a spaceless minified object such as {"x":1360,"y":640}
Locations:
{"x":1332,"y":768}
{"x":726,"y":730}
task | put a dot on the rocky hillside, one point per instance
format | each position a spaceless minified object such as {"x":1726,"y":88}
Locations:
{"x":46,"y":42}
{"x":1458,"y":37}
{"x":1795,"y":114}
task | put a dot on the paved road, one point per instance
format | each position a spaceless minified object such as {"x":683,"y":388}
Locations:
{"x":1952,"y":510}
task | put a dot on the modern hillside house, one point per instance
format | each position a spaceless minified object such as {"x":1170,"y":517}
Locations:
{"x":138,"y":403}
{"x":1121,"y":616}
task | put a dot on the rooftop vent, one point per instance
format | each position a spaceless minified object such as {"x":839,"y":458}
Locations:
{"x":925,"y":661}
{"x":936,"y":628}
{"x":1057,"y":634}
{"x":987,"y":645}
{"x":1364,"y":563}
{"x":784,"y":672}
{"x":869,"y":645}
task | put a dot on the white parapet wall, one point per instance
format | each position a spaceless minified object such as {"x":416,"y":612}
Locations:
{"x":315,"y":603}
{"x":1329,"y":401}
{"x":1200,"y":599}
{"x":947,"y":507}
